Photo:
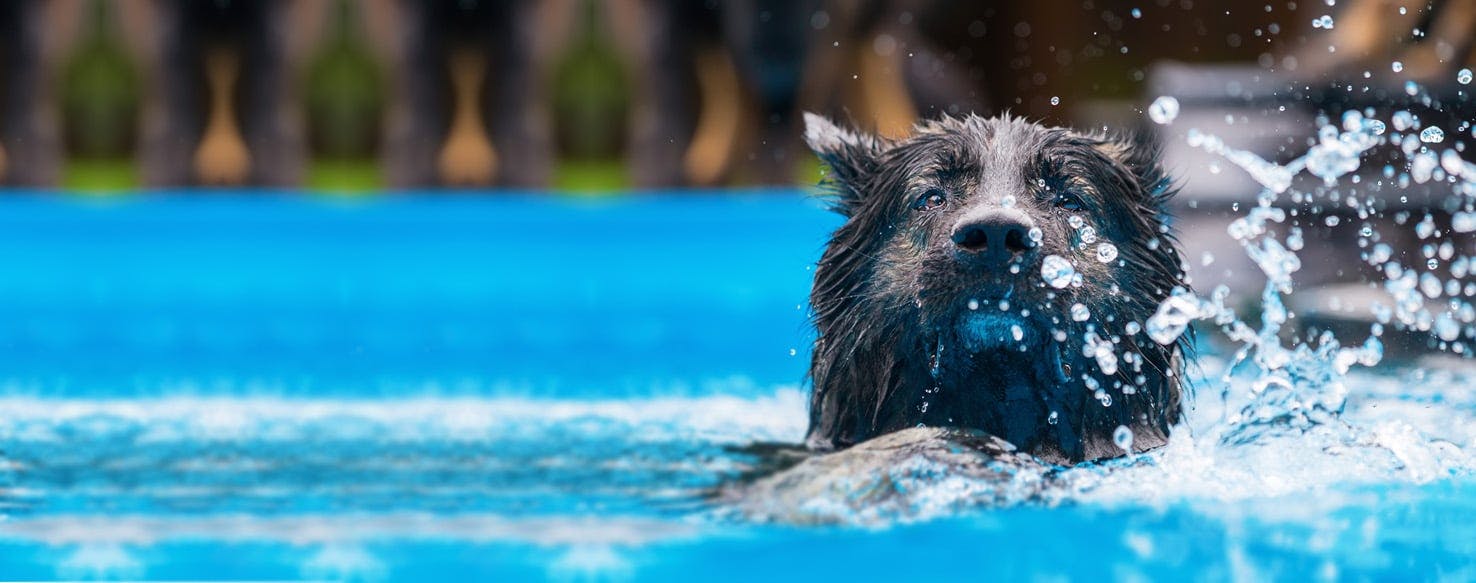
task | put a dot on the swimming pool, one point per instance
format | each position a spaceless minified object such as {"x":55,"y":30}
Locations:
{"x":526,"y":387}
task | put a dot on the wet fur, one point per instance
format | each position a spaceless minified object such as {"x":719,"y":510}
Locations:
{"x":887,"y":294}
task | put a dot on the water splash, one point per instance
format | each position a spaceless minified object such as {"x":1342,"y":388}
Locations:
{"x":1285,"y":420}
{"x":1299,"y":385}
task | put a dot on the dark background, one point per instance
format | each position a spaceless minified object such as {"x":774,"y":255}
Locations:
{"x":86,"y":82}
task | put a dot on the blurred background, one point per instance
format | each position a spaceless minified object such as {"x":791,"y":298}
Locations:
{"x":574,"y":95}
{"x":618,"y":96}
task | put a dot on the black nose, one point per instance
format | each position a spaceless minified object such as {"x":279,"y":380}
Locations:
{"x":997,"y":236}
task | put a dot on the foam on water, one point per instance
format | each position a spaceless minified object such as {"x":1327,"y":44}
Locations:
{"x":270,"y":456}
{"x":507,"y":465}
{"x":1384,"y":435}
{"x":717,"y":418}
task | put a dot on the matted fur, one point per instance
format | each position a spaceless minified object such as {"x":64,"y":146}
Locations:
{"x":889,"y":294}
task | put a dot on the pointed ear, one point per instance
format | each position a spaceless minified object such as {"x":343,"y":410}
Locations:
{"x":851,"y":155}
{"x":1141,"y":157}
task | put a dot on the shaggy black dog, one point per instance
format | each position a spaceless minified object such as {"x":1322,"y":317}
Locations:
{"x":995,"y":274}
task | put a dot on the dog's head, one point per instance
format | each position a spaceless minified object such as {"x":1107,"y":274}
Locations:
{"x":997,"y":274}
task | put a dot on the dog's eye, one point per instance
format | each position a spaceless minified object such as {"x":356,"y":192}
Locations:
{"x":930,"y":199}
{"x":1068,"y":201}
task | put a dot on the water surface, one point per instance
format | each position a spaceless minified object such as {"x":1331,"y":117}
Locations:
{"x":550,"y":388}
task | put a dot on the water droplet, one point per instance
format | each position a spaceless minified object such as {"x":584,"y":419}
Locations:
{"x":1463,"y":77}
{"x":1432,"y":135}
{"x":1403,"y":120}
{"x":1430,"y":285}
{"x":1055,"y":100}
{"x":1396,"y":66}
{"x":1426,"y":227}
{"x":1100,"y":350}
{"x":1036,"y":235}
{"x":1106,"y":252}
{"x":1080,"y":313}
{"x":1017,"y":332}
{"x":1057,"y":271}
{"x":1452,"y":162}
{"x":1088,"y":235}
{"x":1164,"y":109}
{"x":1054,"y":418}
{"x":1463,"y":222}
{"x":1447,"y":328}
{"x":973,"y":304}
{"x":1422,"y":166}
{"x":1171,"y":319}
{"x":1123,"y":437}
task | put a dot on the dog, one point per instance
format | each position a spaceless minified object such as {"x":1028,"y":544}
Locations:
{"x":995,"y":274}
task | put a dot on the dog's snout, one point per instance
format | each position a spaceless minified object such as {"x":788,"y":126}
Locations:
{"x":997,"y":236}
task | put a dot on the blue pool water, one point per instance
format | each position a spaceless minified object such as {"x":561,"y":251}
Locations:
{"x":429,"y":388}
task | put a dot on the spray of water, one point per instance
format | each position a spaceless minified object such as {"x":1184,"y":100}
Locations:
{"x":1274,"y":414}
{"x":1282,"y":422}
{"x":1299,"y":384}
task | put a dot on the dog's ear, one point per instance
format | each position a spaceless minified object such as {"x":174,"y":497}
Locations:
{"x":853,"y":157}
{"x":1140,"y":155}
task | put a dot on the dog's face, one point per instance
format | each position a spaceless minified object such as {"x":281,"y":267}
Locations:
{"x":999,"y":225}
{"x":1002,"y":258}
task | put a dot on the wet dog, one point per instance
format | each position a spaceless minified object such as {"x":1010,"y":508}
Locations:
{"x":994,"y":274}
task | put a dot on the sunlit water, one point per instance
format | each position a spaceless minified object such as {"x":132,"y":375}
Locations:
{"x":424,"y":388}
